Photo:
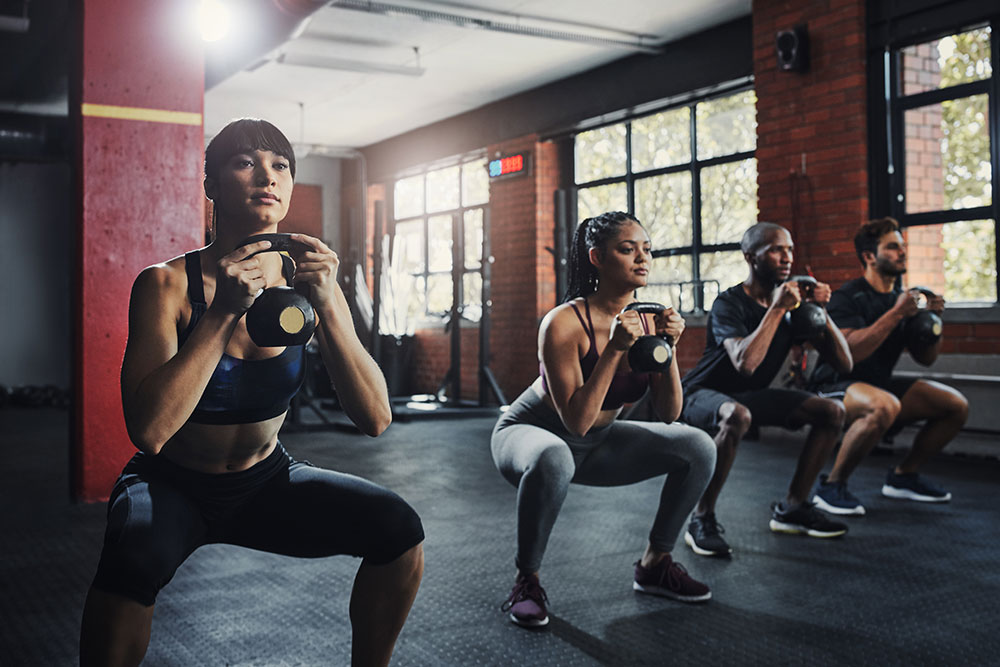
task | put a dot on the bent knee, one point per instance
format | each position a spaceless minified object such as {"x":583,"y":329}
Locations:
{"x":959,"y":407}
{"x":885,"y":413}
{"x":395,"y":530}
{"x":554,"y":464}
{"x":827,"y":412}
{"x":135,"y":572}
{"x":735,"y":419}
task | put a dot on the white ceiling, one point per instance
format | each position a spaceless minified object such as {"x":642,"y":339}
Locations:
{"x":465,"y":68}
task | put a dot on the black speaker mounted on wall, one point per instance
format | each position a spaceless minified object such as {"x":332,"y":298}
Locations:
{"x":793,"y":49}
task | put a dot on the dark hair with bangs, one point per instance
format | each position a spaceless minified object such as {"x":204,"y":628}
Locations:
{"x":242,"y":136}
{"x":866,"y":240}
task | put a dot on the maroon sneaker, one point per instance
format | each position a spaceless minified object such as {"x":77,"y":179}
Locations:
{"x":670,"y":580}
{"x":526,"y":603}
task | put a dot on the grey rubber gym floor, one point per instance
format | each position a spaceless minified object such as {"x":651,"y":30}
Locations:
{"x":911,"y":584}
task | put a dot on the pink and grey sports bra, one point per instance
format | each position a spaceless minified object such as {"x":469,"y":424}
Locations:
{"x":626,"y":387}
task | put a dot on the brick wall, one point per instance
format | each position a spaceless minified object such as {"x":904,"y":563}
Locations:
{"x":432,"y":358}
{"x":522,"y":223}
{"x":812,"y":144}
{"x":924,"y":173}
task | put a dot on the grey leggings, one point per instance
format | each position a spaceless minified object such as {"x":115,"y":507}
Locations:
{"x":533,"y":451}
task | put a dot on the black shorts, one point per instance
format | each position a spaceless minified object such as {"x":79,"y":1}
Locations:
{"x":159,"y":513}
{"x":896,"y":386}
{"x":768,"y":407}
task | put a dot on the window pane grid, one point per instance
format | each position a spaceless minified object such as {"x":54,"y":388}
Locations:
{"x":946,"y":139}
{"x":423,"y":208}
{"x":689,"y":175}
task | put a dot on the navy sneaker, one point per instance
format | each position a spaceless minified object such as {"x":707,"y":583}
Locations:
{"x":704,"y":536}
{"x":526,"y":603}
{"x":833,"y":497}
{"x":910,"y":486}
{"x":804,"y":519}
{"x":669,"y":579}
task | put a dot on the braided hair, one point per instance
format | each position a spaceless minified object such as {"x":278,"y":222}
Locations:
{"x":595,"y":232}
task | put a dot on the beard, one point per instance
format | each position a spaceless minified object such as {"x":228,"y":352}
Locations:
{"x":887,"y":268}
{"x":767,"y":276}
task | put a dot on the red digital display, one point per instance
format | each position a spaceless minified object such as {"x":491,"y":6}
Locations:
{"x":507,"y":165}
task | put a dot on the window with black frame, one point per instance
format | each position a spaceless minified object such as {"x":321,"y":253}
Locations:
{"x":423,"y":206}
{"x":943,"y":128}
{"x":689,"y":174}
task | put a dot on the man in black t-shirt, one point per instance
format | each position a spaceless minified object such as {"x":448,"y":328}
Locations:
{"x":747,"y":340}
{"x":872,"y":311}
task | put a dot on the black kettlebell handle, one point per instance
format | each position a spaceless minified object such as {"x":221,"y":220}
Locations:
{"x":925,"y":291}
{"x":279,"y":243}
{"x":806,"y":282}
{"x":646,"y":307}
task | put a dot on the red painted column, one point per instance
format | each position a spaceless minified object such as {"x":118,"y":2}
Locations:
{"x":138,"y":100}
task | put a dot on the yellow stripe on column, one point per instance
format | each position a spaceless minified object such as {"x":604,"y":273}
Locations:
{"x":139,"y":113}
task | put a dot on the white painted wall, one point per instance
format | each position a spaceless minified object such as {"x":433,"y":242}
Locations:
{"x":324,"y":171}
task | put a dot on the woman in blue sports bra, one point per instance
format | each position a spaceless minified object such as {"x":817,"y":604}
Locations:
{"x":203,"y":405}
{"x":563,"y":428}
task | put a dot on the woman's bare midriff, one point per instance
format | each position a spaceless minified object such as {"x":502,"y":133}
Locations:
{"x":603,"y":419}
{"x":222,"y":448}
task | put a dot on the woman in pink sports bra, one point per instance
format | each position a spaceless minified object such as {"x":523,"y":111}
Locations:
{"x":563,"y":428}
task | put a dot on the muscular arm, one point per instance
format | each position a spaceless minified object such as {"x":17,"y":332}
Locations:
{"x":577,"y":402}
{"x":834,"y":347}
{"x":361,"y":388}
{"x":360,"y":385}
{"x":747,"y":353}
{"x":863,"y":342}
{"x":160,"y":384}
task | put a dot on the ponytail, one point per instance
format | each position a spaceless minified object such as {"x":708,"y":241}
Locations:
{"x":593,"y":232}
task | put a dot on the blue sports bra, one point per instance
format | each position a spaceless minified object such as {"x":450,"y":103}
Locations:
{"x":243,"y":391}
{"x":626,"y":387}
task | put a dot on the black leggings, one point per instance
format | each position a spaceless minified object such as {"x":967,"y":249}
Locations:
{"x":159,"y":513}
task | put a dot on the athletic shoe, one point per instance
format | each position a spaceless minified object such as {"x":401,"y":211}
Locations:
{"x":804,"y":519}
{"x":704,"y":536}
{"x":526,"y":603}
{"x":669,"y":579}
{"x":833,"y":497}
{"x":910,"y":486}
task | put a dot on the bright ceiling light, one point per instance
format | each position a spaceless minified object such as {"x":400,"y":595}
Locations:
{"x":213,"y":20}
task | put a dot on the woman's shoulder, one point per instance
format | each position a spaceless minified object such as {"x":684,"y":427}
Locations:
{"x":565,"y":318}
{"x":165,"y":278}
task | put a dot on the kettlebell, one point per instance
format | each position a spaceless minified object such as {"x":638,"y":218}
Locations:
{"x":808,"y":319}
{"x":923,"y":329}
{"x":280,"y":316}
{"x":650,"y":354}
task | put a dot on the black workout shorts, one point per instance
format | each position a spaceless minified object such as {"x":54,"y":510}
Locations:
{"x":159,"y":513}
{"x":896,"y":386}
{"x":768,"y":407}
